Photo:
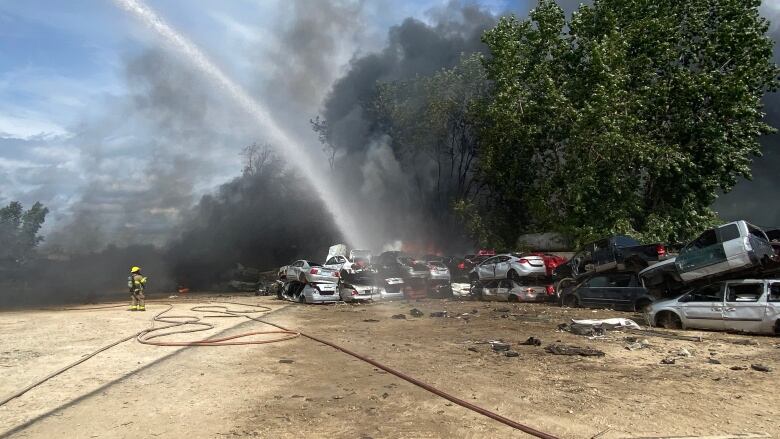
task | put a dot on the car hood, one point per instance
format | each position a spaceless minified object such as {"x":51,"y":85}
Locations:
{"x":663,"y":303}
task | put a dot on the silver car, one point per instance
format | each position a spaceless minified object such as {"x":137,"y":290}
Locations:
{"x":749,"y":305}
{"x":306,"y":271}
{"x":509,"y":266}
{"x":439,"y":271}
{"x":358,"y":287}
{"x":393,"y":289}
{"x":532,"y":289}
{"x":311,"y":292}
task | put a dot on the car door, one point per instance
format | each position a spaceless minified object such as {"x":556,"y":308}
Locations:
{"x":695,"y":258}
{"x":772,"y":312}
{"x":618,"y":291}
{"x":487,"y":269}
{"x":703,"y":307}
{"x":745,"y":306}
{"x":504,"y":287}
{"x":591,"y":292}
{"x":294,"y":270}
{"x":735,"y":253}
{"x":502,"y":267}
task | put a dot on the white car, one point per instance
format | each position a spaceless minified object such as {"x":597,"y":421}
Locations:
{"x":306,"y":271}
{"x":342,"y":264}
{"x":747,"y":305}
{"x":509,"y":266}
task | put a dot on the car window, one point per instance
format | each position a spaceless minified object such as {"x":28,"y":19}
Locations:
{"x":298,"y":264}
{"x":503,"y":258}
{"x":330,"y":261}
{"x":489,"y":261}
{"x":744,"y":292}
{"x":491,"y":284}
{"x":505,"y":283}
{"x":706,"y":239}
{"x":729,"y":232}
{"x":602,"y":244}
{"x":774,"y":292}
{"x":625,"y":241}
{"x":598,"y":281}
{"x":710,"y":293}
{"x":314,"y":264}
{"x":622,"y":280}
{"x":758,"y":233}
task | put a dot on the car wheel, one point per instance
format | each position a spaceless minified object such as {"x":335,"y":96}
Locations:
{"x":669,"y":320}
{"x":513,"y":276}
{"x":302,"y":278}
{"x":563,"y":283}
{"x":571,"y":301}
{"x":512,"y":299}
{"x":777,"y":327}
{"x":302,"y":298}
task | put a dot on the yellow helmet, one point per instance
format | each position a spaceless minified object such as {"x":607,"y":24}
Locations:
{"x":135,"y":269}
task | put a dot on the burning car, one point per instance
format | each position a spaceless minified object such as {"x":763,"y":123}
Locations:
{"x":398,"y":265}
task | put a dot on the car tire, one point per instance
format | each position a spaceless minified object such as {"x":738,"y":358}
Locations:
{"x":302,"y":298}
{"x":668,"y":320}
{"x":571,"y":301}
{"x":512,"y":299}
{"x":513,"y":276}
{"x":777,"y":327}
{"x":563,"y":283}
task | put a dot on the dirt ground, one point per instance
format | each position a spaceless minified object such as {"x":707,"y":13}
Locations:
{"x":136,"y":390}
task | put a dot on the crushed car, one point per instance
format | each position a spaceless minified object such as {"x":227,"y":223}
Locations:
{"x":439,"y":280}
{"x":744,"y":305}
{"x":615,"y":253}
{"x":311,"y":292}
{"x":526,"y":289}
{"x":735,"y":246}
{"x":398,"y":265}
{"x":620,"y":291}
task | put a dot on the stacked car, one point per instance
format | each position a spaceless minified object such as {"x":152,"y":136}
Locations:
{"x":513,"y":277}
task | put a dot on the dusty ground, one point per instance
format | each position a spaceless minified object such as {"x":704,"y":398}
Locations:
{"x":136,"y":390}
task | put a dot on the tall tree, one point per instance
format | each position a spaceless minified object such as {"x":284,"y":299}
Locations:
{"x":630,"y":117}
{"x":19,"y":233}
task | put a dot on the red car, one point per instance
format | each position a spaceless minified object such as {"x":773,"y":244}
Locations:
{"x":551,"y":261}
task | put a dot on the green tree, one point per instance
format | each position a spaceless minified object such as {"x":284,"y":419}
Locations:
{"x":630,"y":117}
{"x":19,"y":233}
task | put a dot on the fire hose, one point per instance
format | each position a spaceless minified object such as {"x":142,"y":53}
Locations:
{"x":148,"y":336}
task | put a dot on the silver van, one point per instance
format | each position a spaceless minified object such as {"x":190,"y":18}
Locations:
{"x":730,"y":247}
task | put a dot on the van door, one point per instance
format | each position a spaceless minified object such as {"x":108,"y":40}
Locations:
{"x":745,"y":306}
{"x":618,"y":293}
{"x":734,"y":249}
{"x":695,"y":258}
{"x":703,"y":307}
{"x":593,"y":290}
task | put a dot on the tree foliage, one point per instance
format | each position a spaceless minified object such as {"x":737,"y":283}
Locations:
{"x":629,"y":117}
{"x":19,"y":233}
{"x":432,"y":121}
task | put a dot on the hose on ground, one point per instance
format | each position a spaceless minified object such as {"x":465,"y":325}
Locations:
{"x":147,"y":336}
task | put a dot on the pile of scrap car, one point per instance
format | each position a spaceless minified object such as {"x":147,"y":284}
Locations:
{"x":728,"y":278}
{"x":723,"y":279}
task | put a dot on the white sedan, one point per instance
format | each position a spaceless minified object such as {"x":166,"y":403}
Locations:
{"x":308,"y":272}
{"x":511,"y":266}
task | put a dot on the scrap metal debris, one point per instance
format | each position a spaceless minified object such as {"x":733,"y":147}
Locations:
{"x":511,"y":354}
{"x":668,"y":361}
{"x":532,"y":341}
{"x":499,"y":346}
{"x":760,"y":368}
{"x":562,"y":349}
{"x":416,"y":312}
{"x":399,"y":316}
{"x":439,"y":314}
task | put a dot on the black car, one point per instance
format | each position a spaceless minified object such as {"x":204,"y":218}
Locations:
{"x":608,"y":290}
{"x":617,"y":252}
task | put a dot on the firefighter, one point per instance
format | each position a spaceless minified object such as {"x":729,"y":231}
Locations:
{"x":136,"y":283}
